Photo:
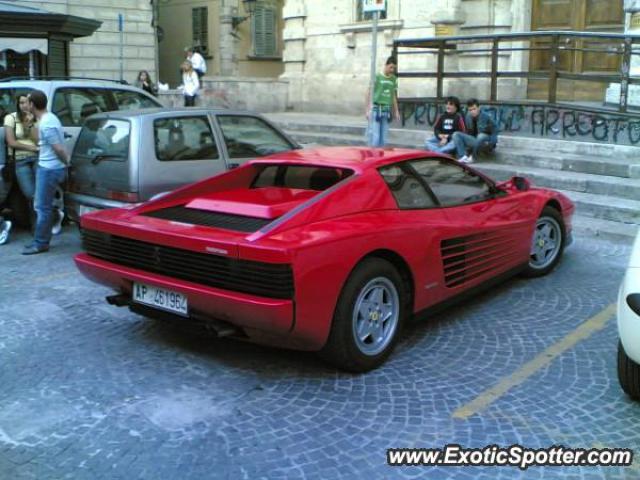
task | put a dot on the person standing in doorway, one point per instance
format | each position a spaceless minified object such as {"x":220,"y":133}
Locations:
{"x":190,"y":84}
{"x":197,"y":61}
{"x":384,"y":108}
{"x":53,"y":160}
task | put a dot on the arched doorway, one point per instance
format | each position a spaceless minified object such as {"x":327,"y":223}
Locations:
{"x":583,"y":16}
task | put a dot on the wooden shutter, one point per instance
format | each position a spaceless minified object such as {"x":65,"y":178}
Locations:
{"x":200,"y":28}
{"x":264,"y":32}
{"x":57,"y":64}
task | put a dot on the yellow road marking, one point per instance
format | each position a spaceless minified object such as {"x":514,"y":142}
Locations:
{"x":582,"y":332}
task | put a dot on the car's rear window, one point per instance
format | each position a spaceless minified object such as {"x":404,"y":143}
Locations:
{"x":104,"y":139}
{"x":305,"y":177}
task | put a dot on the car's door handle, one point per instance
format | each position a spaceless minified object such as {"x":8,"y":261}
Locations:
{"x":233,"y":165}
{"x":67,"y":135}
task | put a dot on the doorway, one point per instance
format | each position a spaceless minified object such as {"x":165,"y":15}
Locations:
{"x":583,"y":16}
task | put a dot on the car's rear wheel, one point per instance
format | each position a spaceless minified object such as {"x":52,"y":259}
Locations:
{"x":368,"y":317}
{"x":547,"y":243}
{"x":628,"y":374}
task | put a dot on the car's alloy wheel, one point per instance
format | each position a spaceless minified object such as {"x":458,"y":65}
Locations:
{"x":547,"y":243}
{"x":375,"y":316}
{"x":368,"y":317}
{"x":628,"y":374}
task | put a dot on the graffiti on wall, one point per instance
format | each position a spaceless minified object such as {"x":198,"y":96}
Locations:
{"x":538,"y":121}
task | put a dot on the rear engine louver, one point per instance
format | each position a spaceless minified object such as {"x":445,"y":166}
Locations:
{"x":194,"y":216}
{"x":468,"y":258}
{"x":246,"y":276}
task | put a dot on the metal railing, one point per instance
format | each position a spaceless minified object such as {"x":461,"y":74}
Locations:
{"x":555,"y":43}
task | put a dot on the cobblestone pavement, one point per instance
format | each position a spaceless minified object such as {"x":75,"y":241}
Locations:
{"x":90,"y":391}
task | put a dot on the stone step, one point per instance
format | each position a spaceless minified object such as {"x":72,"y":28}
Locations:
{"x":614,"y":209}
{"x":518,"y":158}
{"x":567,"y":180}
{"x":566,"y":162}
{"x":327,"y":124}
{"x":605,"y":208}
{"x":578,"y":186}
{"x":605,"y":229}
{"x":528,"y":152}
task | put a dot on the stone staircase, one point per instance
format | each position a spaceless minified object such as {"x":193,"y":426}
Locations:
{"x":602,"y":180}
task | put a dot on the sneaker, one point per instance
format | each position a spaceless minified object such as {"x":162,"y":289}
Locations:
{"x":33,"y":250}
{"x":463,"y":159}
{"x":5,"y":229}
{"x":470,"y":159}
{"x":57,"y":224}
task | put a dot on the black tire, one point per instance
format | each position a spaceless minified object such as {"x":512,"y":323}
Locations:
{"x":628,"y":374}
{"x":552,"y":217}
{"x":342,"y":348}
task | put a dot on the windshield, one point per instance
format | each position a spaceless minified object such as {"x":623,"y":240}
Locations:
{"x":104,"y":139}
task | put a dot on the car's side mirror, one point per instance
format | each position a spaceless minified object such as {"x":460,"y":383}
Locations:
{"x":521,"y":183}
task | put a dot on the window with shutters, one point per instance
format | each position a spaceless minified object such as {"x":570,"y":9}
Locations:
{"x":200,"y":30}
{"x":366,"y":17}
{"x":264,"y":25}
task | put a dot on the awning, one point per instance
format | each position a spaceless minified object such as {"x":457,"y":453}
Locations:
{"x":24,"y":45}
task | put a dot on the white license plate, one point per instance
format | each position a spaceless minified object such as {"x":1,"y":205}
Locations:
{"x":84,"y":209}
{"x":161,"y":298}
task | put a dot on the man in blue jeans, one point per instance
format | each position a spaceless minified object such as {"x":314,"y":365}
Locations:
{"x":481,"y":133}
{"x":53,"y":160}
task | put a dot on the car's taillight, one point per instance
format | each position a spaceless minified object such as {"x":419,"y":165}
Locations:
{"x":123,"y":196}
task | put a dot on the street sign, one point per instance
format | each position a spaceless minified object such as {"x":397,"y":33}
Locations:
{"x":374,"y":6}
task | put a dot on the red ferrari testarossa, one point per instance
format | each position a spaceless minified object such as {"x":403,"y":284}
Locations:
{"x":327,"y":249}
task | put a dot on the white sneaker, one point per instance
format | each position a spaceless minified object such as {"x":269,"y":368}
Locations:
{"x":57,"y":224}
{"x":469,"y":159}
{"x":5,"y":229}
{"x":463,"y":159}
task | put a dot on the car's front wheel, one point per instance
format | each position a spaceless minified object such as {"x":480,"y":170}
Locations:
{"x":368,"y":317}
{"x":547,"y":243}
{"x":628,"y":374}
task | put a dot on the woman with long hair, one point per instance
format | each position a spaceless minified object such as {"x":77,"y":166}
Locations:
{"x":21,"y":136}
{"x":190,"y":84}
{"x":145,"y":83}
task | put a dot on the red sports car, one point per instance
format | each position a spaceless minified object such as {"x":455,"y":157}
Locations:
{"x":328,"y":250}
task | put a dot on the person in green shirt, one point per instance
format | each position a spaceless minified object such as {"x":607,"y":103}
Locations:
{"x":384,"y":108}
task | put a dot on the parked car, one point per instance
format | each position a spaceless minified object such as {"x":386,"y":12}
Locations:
{"x":326,"y":250}
{"x":629,"y":326}
{"x":123,"y":158}
{"x":72,"y":100}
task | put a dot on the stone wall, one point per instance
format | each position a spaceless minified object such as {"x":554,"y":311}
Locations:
{"x":263,"y":95}
{"x":98,"y":55}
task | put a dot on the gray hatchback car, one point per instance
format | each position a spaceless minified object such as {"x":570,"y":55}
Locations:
{"x":127,"y":157}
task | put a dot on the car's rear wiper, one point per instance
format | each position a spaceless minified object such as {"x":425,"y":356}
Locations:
{"x":98,"y":158}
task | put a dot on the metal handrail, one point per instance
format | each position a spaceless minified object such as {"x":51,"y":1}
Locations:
{"x":411,"y":42}
{"x":442,"y":46}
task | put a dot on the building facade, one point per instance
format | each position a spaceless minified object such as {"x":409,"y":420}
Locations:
{"x":235,"y":42}
{"x":328,"y":45}
{"x":106,"y":52}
